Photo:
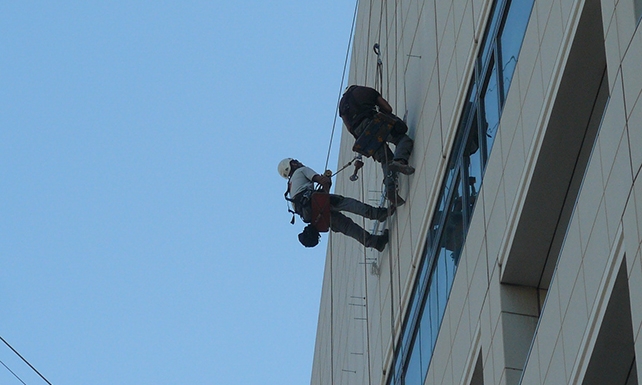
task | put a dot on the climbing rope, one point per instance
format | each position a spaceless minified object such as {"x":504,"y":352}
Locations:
{"x":327,"y":160}
{"x":341,"y":86}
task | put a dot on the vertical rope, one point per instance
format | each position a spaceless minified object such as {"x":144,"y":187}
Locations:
{"x":387,"y":40}
{"x":343,"y":75}
{"x":365,"y":81}
{"x":441,"y":127}
{"x":331,"y":311}
{"x":396,"y":67}
{"x":392,"y":296}
{"x":405,"y":69}
{"x":365,"y":277}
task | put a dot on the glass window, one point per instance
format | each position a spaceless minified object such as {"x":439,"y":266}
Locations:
{"x":472,"y":161}
{"x":511,"y":38}
{"x":490,"y":31}
{"x":474,"y":140}
{"x":424,"y":270}
{"x":412,"y":374}
{"x":437,"y":222}
{"x":452,"y":237}
{"x":434,"y":308}
{"x":427,"y":340}
{"x":442,"y":284}
{"x":410,"y":330}
{"x":398,"y":372}
{"x":490,"y":109}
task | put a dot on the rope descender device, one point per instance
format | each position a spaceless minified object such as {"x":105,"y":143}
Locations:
{"x":357,"y":166}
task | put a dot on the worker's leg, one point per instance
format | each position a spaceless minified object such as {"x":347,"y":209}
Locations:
{"x":344,"y":225}
{"x":403,"y":146}
{"x":341,"y":203}
{"x":403,"y":149}
{"x":384,"y":156}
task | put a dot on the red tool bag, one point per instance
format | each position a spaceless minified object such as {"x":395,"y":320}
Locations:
{"x":320,"y":203}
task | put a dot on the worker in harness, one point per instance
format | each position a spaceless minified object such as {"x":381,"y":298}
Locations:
{"x":368,"y":117}
{"x":301,"y":180}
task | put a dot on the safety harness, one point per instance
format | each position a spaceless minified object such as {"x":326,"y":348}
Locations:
{"x":379,"y":125}
{"x":319,"y":203}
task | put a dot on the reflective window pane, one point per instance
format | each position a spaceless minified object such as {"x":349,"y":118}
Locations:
{"x":472,"y":161}
{"x":490,"y":30}
{"x":423,"y":272}
{"x":452,"y":237}
{"x":479,"y":122}
{"x":412,"y":374}
{"x":490,"y":108}
{"x":427,"y":340}
{"x":511,"y":37}
{"x":442,"y":283}
{"x":398,"y":372}
{"x":434,"y":308}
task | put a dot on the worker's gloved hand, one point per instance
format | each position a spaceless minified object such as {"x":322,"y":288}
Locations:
{"x":324,"y":181}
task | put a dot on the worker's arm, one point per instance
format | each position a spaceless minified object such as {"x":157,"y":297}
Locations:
{"x":383,"y":105}
{"x":324,"y":181}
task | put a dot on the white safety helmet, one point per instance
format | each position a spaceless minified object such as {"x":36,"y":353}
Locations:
{"x":284,"y":167}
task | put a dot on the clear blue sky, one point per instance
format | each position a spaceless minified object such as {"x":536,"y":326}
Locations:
{"x":144,"y":238}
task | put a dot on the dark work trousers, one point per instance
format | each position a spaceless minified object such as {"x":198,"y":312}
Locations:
{"x":342,"y":224}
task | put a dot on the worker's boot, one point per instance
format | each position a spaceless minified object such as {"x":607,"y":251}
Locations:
{"x":384,"y":213}
{"x":394,"y":198}
{"x":401,"y":166}
{"x":378,"y":241}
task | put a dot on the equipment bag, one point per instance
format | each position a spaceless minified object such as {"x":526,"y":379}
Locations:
{"x":320,"y":204}
{"x":376,"y":133}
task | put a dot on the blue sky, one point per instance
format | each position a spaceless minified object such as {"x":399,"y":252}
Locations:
{"x":144,"y":238}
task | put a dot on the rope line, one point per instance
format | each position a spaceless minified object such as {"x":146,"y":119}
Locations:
{"x":390,"y":268}
{"x":343,"y":75}
{"x":11,"y":371}
{"x":441,"y":125}
{"x":25,"y":361}
{"x":397,"y":240}
{"x":331,"y":313}
{"x":368,"y":42}
{"x":327,"y":160}
{"x":365,"y":277}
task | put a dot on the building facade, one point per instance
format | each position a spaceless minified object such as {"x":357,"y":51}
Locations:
{"x":517,"y":257}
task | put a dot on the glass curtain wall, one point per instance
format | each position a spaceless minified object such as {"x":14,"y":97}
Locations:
{"x":476,"y":134}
